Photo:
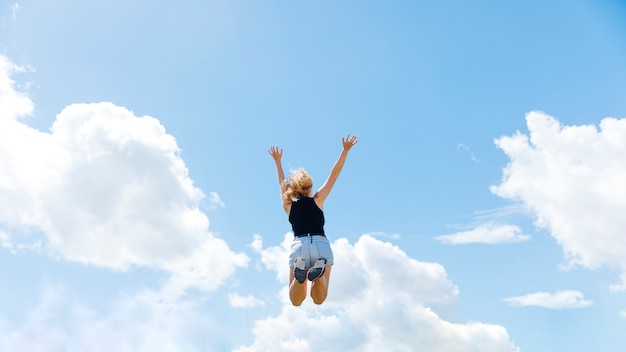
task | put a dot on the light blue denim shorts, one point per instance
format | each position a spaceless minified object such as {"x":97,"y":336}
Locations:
{"x":311,"y":248}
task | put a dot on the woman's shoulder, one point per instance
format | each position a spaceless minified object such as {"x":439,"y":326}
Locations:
{"x":318,"y":201}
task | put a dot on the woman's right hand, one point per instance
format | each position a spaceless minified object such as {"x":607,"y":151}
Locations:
{"x":348,"y":142}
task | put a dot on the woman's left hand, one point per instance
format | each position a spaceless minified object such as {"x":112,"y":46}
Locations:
{"x":276,"y":153}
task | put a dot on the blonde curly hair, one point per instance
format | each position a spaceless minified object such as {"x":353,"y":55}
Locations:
{"x":299,"y":185}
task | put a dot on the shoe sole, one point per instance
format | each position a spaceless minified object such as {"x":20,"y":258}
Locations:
{"x":315,"y":274}
{"x":300,"y":275}
{"x":316,"y":271}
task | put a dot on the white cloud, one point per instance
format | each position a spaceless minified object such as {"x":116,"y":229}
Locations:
{"x":275,"y":258}
{"x":5,"y":240}
{"x":379,"y":300}
{"x":106,"y":187}
{"x":572,"y":179}
{"x":622,"y":314}
{"x":248,"y":301}
{"x":393,"y":236}
{"x":145,"y":321}
{"x":620,"y":286}
{"x":215,"y":201}
{"x":14,"y":8}
{"x":486,"y":233}
{"x":13,"y":104}
{"x":462,"y":146}
{"x":7,"y":243}
{"x":557,"y":300}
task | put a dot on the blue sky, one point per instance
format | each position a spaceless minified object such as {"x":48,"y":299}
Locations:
{"x":481,"y":210}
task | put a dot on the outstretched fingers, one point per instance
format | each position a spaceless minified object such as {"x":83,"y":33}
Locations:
{"x":349,"y":141}
{"x":276,"y":152}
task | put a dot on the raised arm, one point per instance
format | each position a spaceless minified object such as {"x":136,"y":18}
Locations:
{"x":348,"y":142}
{"x":277,"y":154}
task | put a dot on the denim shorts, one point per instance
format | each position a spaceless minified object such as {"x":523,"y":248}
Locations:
{"x":311,"y":248}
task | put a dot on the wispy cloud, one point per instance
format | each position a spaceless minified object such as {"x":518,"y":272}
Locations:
{"x":215,"y":201}
{"x":5,"y":240}
{"x":557,"y":300}
{"x":14,"y":8}
{"x":147,"y":320}
{"x":378,"y":234}
{"x":463,"y":147}
{"x":620,"y":286}
{"x":249,"y":301}
{"x":486,"y":233}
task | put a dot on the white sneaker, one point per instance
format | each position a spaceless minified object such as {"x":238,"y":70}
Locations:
{"x":317,"y":270}
{"x":298,"y":269}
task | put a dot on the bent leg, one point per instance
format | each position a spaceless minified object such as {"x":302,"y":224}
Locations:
{"x":319,"y":287}
{"x":297,"y":291}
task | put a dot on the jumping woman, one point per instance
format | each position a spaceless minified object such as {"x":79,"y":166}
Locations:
{"x":311,"y":256}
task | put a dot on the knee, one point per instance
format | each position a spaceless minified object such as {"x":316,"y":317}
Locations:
{"x":296,"y":302}
{"x":319,"y":300}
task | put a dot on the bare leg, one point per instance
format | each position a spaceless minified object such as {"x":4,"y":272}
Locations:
{"x":297,"y":291}
{"x":319,"y":287}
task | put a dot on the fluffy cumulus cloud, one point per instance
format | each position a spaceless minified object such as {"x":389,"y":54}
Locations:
{"x":557,"y":300}
{"x":572,"y":178}
{"x":146,"y":321}
{"x":486,"y":233}
{"x":105,"y":187}
{"x":380,"y":300}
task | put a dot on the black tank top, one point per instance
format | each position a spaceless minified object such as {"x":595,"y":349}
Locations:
{"x":306,"y":217}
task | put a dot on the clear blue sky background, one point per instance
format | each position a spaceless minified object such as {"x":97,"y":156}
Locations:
{"x":427,"y":86}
